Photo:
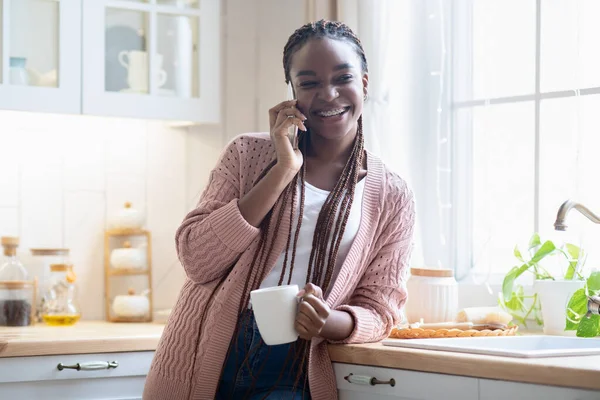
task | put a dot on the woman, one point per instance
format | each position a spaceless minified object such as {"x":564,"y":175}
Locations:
{"x":328,"y":216}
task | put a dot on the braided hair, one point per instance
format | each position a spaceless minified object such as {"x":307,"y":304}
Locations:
{"x":332,"y":219}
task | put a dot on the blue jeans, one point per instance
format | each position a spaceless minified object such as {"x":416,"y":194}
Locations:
{"x":265,"y":373}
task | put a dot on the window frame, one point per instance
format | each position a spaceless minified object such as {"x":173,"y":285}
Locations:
{"x":462,"y":251}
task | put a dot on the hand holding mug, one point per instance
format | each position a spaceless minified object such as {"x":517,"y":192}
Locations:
{"x":312,"y":312}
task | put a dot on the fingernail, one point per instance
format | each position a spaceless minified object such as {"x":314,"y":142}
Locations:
{"x":301,"y":293}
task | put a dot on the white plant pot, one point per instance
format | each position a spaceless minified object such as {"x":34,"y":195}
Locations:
{"x":554,"y":299}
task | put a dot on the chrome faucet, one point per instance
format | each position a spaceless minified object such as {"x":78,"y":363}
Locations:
{"x":593,"y":304}
{"x":564,"y":209}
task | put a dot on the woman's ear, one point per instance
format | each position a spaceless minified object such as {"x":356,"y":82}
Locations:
{"x":365,"y":81}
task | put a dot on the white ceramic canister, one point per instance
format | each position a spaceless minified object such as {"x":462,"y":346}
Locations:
{"x":432,"y":295}
{"x":127,"y":218}
{"x":128,"y":257}
{"x":131,"y":305}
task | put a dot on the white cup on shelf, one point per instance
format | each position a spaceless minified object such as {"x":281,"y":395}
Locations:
{"x":136,"y":63}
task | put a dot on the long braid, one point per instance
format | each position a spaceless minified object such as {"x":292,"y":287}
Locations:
{"x":334,"y":214}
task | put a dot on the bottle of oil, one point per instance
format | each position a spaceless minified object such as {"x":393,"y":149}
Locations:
{"x":60,"y":301}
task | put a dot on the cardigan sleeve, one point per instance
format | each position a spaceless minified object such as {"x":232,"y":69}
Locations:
{"x":214,"y":235}
{"x":377,"y":302}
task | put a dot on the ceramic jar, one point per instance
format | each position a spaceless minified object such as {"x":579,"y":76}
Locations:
{"x":432,"y":295}
{"x":128,"y":257}
{"x":127,"y":218}
{"x":131,"y":305}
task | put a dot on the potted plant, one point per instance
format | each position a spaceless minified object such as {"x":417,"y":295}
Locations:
{"x":550,"y":294}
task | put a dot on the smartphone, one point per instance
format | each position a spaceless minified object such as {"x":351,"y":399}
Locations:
{"x":292,"y":130}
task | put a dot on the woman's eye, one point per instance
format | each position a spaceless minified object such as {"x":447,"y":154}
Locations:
{"x":345,"y":78}
{"x":306,"y":84}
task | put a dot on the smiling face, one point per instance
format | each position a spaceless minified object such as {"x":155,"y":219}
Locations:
{"x":330,"y":86}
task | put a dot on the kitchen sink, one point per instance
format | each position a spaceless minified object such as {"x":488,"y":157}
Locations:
{"x":507,"y":346}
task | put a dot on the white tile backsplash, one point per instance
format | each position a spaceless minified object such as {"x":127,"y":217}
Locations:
{"x":9,"y":221}
{"x":42,"y":204}
{"x":63,"y":176}
{"x":9,"y":187}
{"x":85,"y":160}
{"x":84,"y":225}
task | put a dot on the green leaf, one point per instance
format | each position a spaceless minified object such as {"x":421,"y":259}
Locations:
{"x":517,"y":254}
{"x":534,"y":241}
{"x":589,"y":327}
{"x":508,"y":283}
{"x":593,"y":282}
{"x":574,"y":252}
{"x":515,"y":303}
{"x":576,"y":309}
{"x":547,"y":248}
{"x":509,"y":280}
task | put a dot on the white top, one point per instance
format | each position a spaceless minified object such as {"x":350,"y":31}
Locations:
{"x":314,"y":198}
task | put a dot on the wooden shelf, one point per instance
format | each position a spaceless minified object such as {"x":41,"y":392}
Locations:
{"x":129,"y":271}
{"x":126,"y":232}
{"x":130,"y":319}
{"x":109,"y":271}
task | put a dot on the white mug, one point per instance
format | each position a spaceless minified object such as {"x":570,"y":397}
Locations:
{"x":136,"y":63}
{"x":275,"y":312}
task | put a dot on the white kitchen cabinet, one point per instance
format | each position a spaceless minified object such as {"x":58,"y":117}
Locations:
{"x":152,"y":59}
{"x":413,"y":385}
{"x":502,"y":390}
{"x":40,"y":55}
{"x":407,"y":385}
{"x":39,"y":377}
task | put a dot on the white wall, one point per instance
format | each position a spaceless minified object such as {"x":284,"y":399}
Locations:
{"x":63,"y":176}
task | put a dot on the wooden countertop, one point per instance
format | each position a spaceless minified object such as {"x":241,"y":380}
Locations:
{"x":581,"y":372}
{"x":104,"y":337}
{"x":83,"y":337}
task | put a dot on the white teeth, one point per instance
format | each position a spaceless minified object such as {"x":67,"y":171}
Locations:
{"x":331,"y":113}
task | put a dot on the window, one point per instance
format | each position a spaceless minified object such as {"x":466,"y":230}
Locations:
{"x":525,"y":126}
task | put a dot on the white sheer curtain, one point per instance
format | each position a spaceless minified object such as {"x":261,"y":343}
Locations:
{"x":402,"y":121}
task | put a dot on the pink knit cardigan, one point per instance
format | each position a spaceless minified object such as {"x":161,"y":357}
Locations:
{"x":215,"y":245}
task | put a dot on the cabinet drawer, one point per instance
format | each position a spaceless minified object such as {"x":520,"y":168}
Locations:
{"x":411,"y":385}
{"x":44,"y":368}
{"x":120,"y":388}
{"x":502,"y":390}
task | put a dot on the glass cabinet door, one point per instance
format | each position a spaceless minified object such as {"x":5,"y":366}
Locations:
{"x":40,"y":49}
{"x":152,"y":59}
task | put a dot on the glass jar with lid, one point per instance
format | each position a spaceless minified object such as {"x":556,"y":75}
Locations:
{"x":60,"y":300}
{"x":39,"y":266}
{"x":17,"y":291}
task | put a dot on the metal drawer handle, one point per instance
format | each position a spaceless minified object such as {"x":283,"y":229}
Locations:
{"x":368,"y":380}
{"x":89,"y":366}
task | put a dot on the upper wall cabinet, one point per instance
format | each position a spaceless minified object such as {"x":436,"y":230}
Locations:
{"x":152,"y":59}
{"x":127,"y":58}
{"x":40,"y":55}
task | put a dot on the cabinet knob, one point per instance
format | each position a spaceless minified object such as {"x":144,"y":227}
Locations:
{"x":89,"y":366}
{"x":368,"y":380}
